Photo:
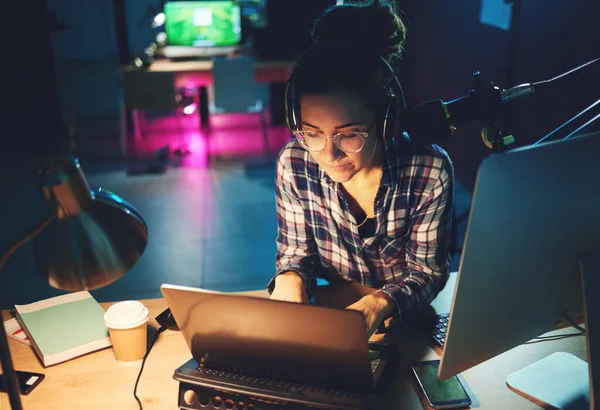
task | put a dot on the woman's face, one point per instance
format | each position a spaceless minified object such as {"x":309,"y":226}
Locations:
{"x":334,"y":113}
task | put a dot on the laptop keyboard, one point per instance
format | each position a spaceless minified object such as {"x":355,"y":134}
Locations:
{"x":439,"y":329}
{"x":278,"y":386}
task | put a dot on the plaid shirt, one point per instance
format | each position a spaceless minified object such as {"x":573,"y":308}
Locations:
{"x":407,"y":258}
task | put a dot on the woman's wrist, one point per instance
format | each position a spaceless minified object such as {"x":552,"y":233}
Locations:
{"x":386,"y":304}
{"x":291,"y":277}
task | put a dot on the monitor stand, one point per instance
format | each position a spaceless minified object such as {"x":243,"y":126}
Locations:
{"x":563,"y":380}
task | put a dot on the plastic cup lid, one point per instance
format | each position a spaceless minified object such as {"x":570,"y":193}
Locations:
{"x":126,"y":315}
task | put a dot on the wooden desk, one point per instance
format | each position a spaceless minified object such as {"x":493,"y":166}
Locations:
{"x":156,"y":85}
{"x":98,"y":381}
{"x":199,"y":72}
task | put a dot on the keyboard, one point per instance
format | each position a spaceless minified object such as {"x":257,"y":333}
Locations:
{"x":439,"y":329}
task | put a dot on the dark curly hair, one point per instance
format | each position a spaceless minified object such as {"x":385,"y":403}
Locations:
{"x":350,"y":40}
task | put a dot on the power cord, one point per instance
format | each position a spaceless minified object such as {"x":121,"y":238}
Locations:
{"x":160,"y":330}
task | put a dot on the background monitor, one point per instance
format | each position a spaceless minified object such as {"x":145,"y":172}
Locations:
{"x":535,"y":211}
{"x":203,"y":23}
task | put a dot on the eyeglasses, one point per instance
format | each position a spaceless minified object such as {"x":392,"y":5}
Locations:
{"x":349,"y":141}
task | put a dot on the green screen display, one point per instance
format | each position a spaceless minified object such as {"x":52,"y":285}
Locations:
{"x":202,"y":23}
{"x":439,"y":390}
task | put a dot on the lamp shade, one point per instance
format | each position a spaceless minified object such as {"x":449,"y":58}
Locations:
{"x":96,"y":237}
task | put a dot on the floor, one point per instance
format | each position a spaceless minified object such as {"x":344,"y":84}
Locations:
{"x":211,"y":218}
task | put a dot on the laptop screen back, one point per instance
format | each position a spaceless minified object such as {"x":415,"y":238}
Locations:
{"x":274,"y":339}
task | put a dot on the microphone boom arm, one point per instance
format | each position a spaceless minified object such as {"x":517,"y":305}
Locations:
{"x":436,"y":120}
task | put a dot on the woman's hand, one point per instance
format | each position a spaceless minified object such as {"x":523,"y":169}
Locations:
{"x":375,"y":307}
{"x":289,"y":287}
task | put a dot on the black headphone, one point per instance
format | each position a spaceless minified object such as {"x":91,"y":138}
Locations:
{"x":392,"y":115}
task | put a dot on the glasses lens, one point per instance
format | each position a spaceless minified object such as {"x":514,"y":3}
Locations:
{"x":312,"y":140}
{"x":350,"y":142}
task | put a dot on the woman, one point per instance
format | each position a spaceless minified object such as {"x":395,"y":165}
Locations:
{"x":353,"y":202}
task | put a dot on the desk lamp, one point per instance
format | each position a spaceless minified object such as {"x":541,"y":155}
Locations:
{"x":85,"y":239}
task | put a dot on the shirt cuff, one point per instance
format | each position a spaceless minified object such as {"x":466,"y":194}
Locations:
{"x":310,"y":283}
{"x":396,"y":294}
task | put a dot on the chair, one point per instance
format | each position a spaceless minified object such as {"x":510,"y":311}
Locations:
{"x":146,"y":90}
{"x":235,"y":91}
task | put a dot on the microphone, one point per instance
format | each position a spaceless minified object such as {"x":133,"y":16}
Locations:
{"x":517,"y":92}
{"x":433,"y":121}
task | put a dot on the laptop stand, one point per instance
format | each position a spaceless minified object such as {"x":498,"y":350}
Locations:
{"x":202,"y":393}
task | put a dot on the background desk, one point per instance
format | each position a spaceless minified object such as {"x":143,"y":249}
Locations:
{"x":154,"y":86}
{"x":98,"y":381}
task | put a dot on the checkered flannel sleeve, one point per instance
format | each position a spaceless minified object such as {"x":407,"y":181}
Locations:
{"x":296,"y":247}
{"x":427,"y":259}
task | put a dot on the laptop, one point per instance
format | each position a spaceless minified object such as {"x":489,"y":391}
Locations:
{"x":273,"y":350}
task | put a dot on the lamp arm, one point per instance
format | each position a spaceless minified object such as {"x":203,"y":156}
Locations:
{"x":29,"y":234}
{"x":10,"y":377}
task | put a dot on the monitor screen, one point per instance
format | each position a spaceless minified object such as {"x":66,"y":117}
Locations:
{"x":203,"y":23}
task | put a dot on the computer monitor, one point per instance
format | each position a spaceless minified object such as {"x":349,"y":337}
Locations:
{"x":535,"y":213}
{"x":197,"y":28}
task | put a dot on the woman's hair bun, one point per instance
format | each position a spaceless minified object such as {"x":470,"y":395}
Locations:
{"x":375,"y":26}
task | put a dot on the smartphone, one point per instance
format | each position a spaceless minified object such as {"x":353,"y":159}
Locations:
{"x":27,"y":381}
{"x":441,"y":394}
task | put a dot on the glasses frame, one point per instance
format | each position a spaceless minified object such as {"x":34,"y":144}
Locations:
{"x":335,"y":137}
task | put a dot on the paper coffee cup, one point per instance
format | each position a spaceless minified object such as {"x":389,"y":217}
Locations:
{"x":126,"y":323}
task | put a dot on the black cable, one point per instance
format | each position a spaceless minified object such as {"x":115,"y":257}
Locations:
{"x":543,"y":82}
{"x":564,"y":318}
{"x":160,"y":330}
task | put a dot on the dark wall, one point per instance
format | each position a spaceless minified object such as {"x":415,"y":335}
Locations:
{"x":288,"y":30}
{"x":29,"y":113}
{"x":447,"y":43}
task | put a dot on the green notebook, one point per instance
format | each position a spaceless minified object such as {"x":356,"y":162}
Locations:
{"x":64,"y":327}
